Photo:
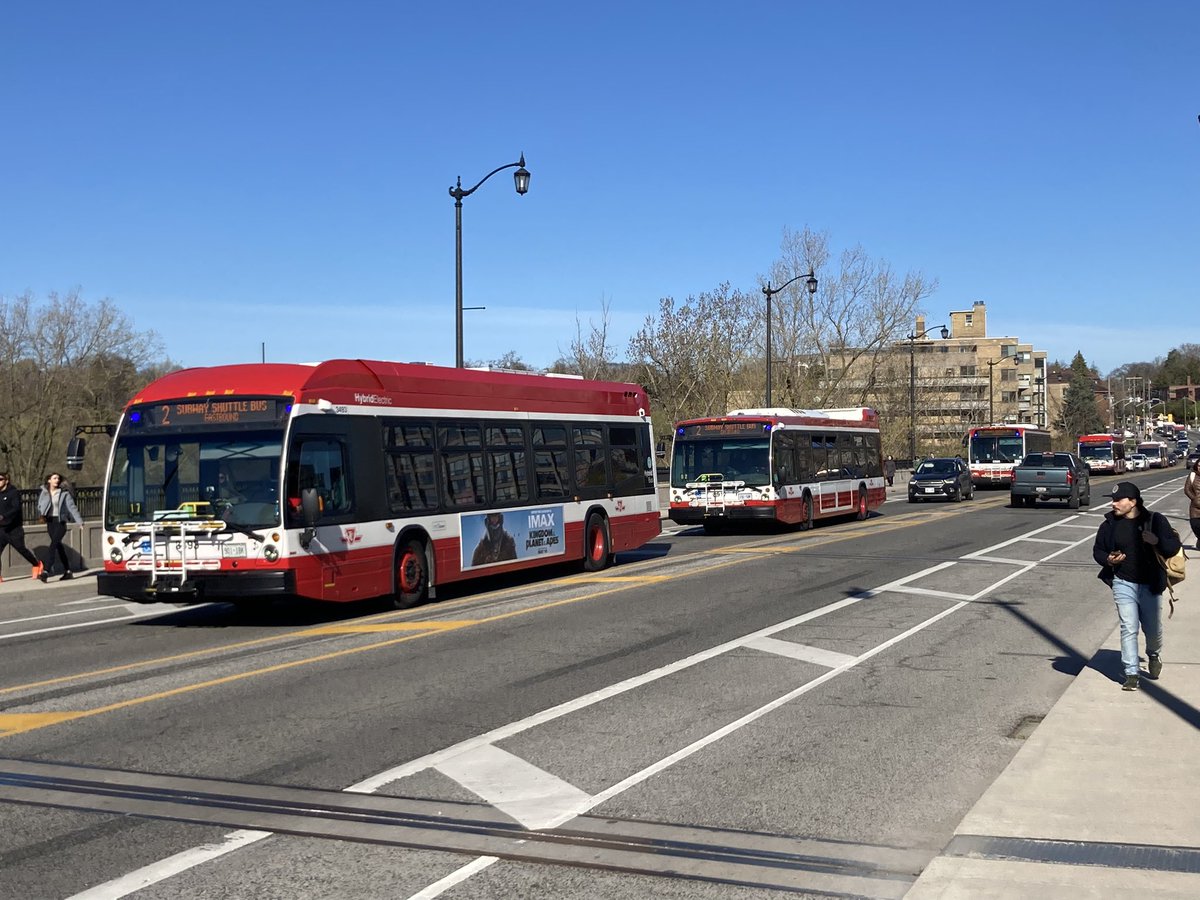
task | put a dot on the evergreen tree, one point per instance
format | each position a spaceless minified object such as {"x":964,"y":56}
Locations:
{"x":1080,"y":413}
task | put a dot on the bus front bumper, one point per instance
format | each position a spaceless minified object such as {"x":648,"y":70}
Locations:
{"x":698,"y":515}
{"x":200,"y":587}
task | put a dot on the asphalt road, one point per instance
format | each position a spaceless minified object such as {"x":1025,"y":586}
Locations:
{"x":727,"y":716}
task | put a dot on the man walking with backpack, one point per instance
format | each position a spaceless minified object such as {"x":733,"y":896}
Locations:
{"x":1125,"y":550}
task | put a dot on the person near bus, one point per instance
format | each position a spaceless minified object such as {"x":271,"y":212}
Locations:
{"x":56,"y":506}
{"x":497,"y":543}
{"x":1125,"y":551}
{"x":12,"y":524}
{"x":1191,"y":488}
{"x":889,"y":469}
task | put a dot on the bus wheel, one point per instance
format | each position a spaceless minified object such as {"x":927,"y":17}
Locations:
{"x":595,"y":543}
{"x":806,"y":513}
{"x":412,"y":575}
{"x":861,"y":513}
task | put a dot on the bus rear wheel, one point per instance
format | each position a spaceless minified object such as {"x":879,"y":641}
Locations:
{"x":862,"y":512}
{"x":596,"y":543}
{"x":412,"y":575}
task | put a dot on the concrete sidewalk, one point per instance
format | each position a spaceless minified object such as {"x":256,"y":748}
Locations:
{"x":1103,"y":800}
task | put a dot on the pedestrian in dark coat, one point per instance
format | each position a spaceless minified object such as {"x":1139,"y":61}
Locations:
{"x":1125,"y":551}
{"x":12,"y":524}
{"x":889,"y":469}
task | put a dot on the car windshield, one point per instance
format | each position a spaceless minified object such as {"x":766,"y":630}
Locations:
{"x":936,"y":467}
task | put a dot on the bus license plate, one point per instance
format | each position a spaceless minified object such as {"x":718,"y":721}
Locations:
{"x":228,"y":550}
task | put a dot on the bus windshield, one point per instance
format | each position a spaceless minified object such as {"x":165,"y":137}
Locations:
{"x":733,"y":459}
{"x":209,"y":475}
{"x":1095,"y":451}
{"x":990,"y":448}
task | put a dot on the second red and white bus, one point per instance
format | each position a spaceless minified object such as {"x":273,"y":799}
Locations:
{"x":352,"y":479}
{"x":776,"y":465}
{"x":1104,"y":454}
{"x":993,"y":451}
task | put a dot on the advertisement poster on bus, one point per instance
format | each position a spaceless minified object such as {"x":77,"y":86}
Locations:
{"x":492,"y":539}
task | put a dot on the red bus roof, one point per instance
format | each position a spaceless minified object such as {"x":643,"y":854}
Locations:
{"x":361,"y":382}
{"x":1098,"y":438}
{"x":979,"y":429}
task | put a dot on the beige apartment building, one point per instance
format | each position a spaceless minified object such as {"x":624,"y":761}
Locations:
{"x":971,"y":378}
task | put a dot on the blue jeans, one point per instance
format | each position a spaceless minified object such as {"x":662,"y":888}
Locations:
{"x":1137,"y":604}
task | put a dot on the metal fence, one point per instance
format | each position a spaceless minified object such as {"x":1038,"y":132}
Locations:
{"x":88,"y":499}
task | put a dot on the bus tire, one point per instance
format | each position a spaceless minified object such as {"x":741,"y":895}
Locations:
{"x":862,"y":512}
{"x":412,"y":575}
{"x":806,"y":512}
{"x":596,"y":543}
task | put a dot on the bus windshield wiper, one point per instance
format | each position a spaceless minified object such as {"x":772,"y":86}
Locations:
{"x":242,"y":529}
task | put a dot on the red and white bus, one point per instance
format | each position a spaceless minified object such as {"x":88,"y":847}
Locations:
{"x":1103,"y":453}
{"x":351,"y":479}
{"x":1156,"y":452}
{"x":780,"y":465}
{"x":993,"y":451}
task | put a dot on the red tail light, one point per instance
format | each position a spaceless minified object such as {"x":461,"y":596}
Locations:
{"x":1070,"y":478}
{"x":1012,"y":474}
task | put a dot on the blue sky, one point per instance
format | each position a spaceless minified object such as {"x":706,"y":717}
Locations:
{"x":231,"y":174}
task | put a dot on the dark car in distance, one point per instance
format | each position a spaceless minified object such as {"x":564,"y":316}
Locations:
{"x":941,"y":478}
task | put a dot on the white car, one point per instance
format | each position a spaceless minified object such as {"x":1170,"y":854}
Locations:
{"x":1138,"y":461}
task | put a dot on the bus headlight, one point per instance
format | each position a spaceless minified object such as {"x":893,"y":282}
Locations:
{"x":116,"y":555}
{"x":271,"y":553}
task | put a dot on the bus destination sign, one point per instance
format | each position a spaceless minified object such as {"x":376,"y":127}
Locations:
{"x":713,"y":429}
{"x":208,"y":411}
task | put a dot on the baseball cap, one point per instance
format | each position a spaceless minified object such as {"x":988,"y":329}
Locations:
{"x":1126,"y":490}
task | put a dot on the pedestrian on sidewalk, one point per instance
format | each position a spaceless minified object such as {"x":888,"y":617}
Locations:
{"x":1125,"y":551}
{"x":12,"y":524}
{"x":1191,"y":488}
{"x":889,"y":469}
{"x":56,"y":506}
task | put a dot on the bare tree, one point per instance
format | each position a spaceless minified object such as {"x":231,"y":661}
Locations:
{"x":692,"y":357}
{"x":833,"y":345}
{"x":590,"y":353}
{"x":64,"y":363}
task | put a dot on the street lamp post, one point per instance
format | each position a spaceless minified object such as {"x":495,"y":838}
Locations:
{"x":912,"y":387}
{"x":521,"y":182}
{"x":991,"y":364}
{"x":769,"y":292}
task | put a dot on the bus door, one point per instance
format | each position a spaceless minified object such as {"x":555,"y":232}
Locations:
{"x":320,"y":457}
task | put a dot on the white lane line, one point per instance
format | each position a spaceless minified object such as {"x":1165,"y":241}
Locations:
{"x":931,"y":592}
{"x":72,"y":612}
{"x":131,"y":615}
{"x":1034,"y":540}
{"x":172,"y":865}
{"x":1000,"y":559}
{"x":514,"y":786}
{"x":456,"y":877}
{"x":804,"y":652}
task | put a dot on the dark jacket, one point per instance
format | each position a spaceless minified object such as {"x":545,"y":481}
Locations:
{"x":1156,"y":533}
{"x":10,"y":508}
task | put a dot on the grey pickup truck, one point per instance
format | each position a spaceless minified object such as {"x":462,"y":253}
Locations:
{"x":1051,"y":476}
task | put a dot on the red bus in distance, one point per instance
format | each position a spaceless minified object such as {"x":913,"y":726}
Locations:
{"x":777,"y":465}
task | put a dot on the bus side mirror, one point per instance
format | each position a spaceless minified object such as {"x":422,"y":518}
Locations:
{"x":75,"y":449}
{"x":310,"y":513}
